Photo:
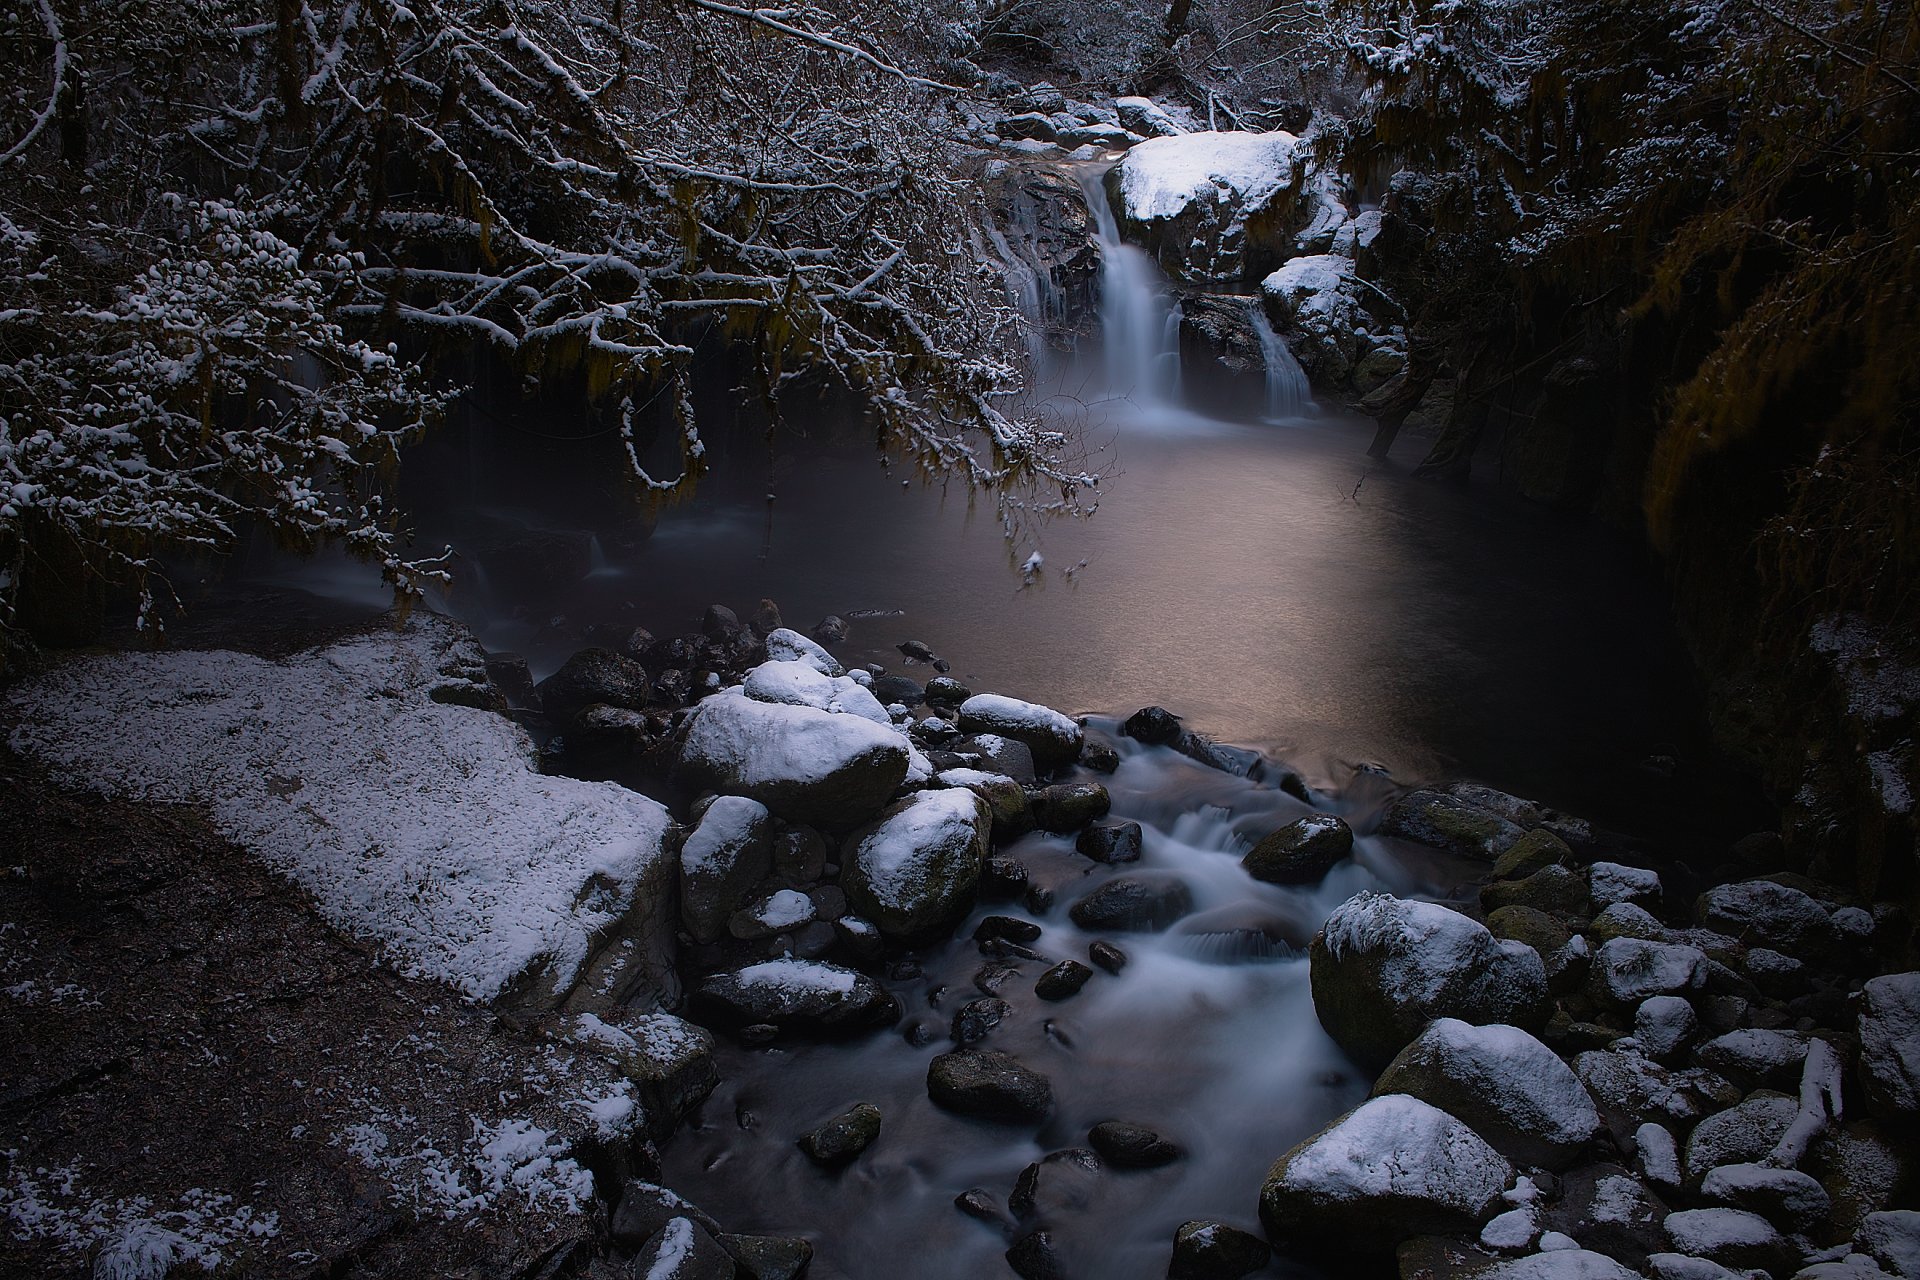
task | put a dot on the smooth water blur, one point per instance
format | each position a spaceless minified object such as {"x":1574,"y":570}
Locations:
{"x":1206,"y":1040}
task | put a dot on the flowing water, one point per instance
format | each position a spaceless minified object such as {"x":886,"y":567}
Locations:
{"x":1289,"y":395}
{"x":1260,"y":577}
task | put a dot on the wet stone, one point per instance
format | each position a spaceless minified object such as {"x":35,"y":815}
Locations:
{"x":1033,"y":1257}
{"x":843,"y":1137}
{"x":978,"y":1202}
{"x":1039,"y":899}
{"x":1301,"y":852}
{"x":1111,"y":842}
{"x":1063,"y":980}
{"x":1106,"y":955}
{"x":1204,"y":1250}
{"x":1002,"y":878}
{"x":980,"y":1082}
{"x":1155,"y":726}
{"x":768,"y":1257}
{"x":1134,"y":903}
{"x":1069,"y":806}
{"x":1099,"y":757}
{"x":974,"y":1019}
{"x":1131,"y":1146}
{"x":992,"y":979}
{"x":1010,"y":927}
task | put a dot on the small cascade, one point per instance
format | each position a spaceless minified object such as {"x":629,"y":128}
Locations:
{"x":1023,"y":283}
{"x":1289,"y":395}
{"x":1139,"y":319}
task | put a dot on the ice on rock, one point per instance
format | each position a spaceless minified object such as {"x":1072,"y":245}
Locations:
{"x":1391,"y":1168}
{"x":1513,"y":1090}
{"x":421,"y":825}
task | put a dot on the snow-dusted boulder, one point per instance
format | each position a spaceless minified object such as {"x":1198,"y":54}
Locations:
{"x":1147,"y":118}
{"x":1785,"y":1197}
{"x":1626,"y":971}
{"x":818,"y":767}
{"x":787,"y":645}
{"x":1631,"y":1089}
{"x":1317,"y":298}
{"x":915,"y":870}
{"x":1053,"y":738}
{"x":1302,"y":852}
{"x":1762,"y":913}
{"x":1890,"y":1044}
{"x":1391,"y":1168}
{"x":1607,"y":1209}
{"x":1203,"y":203}
{"x":794,"y":683}
{"x":1751,"y":1057}
{"x":1892,"y":1239}
{"x":1510,"y":1088}
{"x":682,"y":1250}
{"x":1730,"y":1237}
{"x":669,"y":1059}
{"x":1664,"y":1025}
{"x":362,"y":772}
{"x":1383,"y":968}
{"x":808,"y":994}
{"x":1558,"y":1264}
{"x":722,"y":859}
{"x":1740,"y":1134}
{"x":1611,"y":882}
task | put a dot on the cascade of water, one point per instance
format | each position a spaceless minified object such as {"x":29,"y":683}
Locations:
{"x":1023,"y":282}
{"x":1288,"y":393}
{"x":1139,"y":320}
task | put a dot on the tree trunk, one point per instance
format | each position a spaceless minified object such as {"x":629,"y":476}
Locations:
{"x":1451,"y":457}
{"x":1177,"y":15}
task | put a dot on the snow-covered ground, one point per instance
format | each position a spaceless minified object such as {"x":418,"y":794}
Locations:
{"x":417,"y":824}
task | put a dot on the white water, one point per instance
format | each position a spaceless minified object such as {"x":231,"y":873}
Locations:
{"x":1139,"y":319}
{"x":1289,"y":396}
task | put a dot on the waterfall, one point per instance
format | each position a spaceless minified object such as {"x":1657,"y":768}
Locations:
{"x":1023,"y":282}
{"x":1139,"y":320}
{"x":1288,"y":393}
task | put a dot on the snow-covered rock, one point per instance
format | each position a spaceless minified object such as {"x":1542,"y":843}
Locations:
{"x":419,"y":824}
{"x":798,"y":684}
{"x":1892,"y":1239}
{"x":1391,"y":1168}
{"x":1786,"y":1197}
{"x":1664,"y":1025}
{"x":668,"y":1059}
{"x":1611,"y":882}
{"x":1197,"y":201}
{"x":1147,"y":118}
{"x":1510,"y":1088}
{"x":726,"y":855}
{"x":1678,"y":1266}
{"x":809,"y":994}
{"x":787,"y":645}
{"x":1384,"y":967}
{"x":1890,"y":1044}
{"x":1558,"y":1264}
{"x":1657,"y":1156}
{"x":915,"y":870}
{"x":1751,"y":1057}
{"x":1760,"y":912}
{"x":1605,"y":1208}
{"x":1447,"y":821}
{"x":1740,"y":1134}
{"x":1053,"y":738}
{"x":682,"y":1250}
{"x":1730,"y":1237}
{"x":818,"y":767}
{"x":1317,"y":297}
{"x":1627,"y":971}
{"x":1631,"y":1089}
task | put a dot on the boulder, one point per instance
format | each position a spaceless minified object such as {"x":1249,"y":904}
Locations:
{"x":1155,"y":726}
{"x":1892,"y":1239}
{"x":1140,"y":902}
{"x":1608,"y":1210}
{"x":1201,"y":202}
{"x":1058,"y":1184}
{"x":669,"y":1060}
{"x":1627,"y":971}
{"x":768,"y":1257}
{"x":1631,"y":1089}
{"x":1791,"y":1200}
{"x":1890,"y":1045}
{"x":1147,"y":118}
{"x":728,"y":853}
{"x":1391,"y":1168}
{"x":1752,"y":1057}
{"x":593,"y":676}
{"x":644,"y":1208}
{"x":786,"y":645}
{"x":1552,"y":889}
{"x":1611,"y":882}
{"x":1624,"y":920}
{"x":1445,"y":821}
{"x":1063,"y":980}
{"x":1664,"y":1026}
{"x":682,"y":1250}
{"x":980,"y":1082}
{"x":779,"y":912}
{"x":803,"y":994}
{"x":1112,"y":842}
{"x":845,"y":1136}
{"x":1768,"y":914}
{"x":914,"y":872}
{"x":1206,"y":1250}
{"x":1319,"y":298}
{"x":1131,"y":1146}
{"x":1006,"y":799}
{"x":809,"y":766}
{"x":1534,"y":851}
{"x":1302,"y":852}
{"x":798,"y":684}
{"x":1069,"y":806}
{"x":1730,"y":1237}
{"x":1383,"y":968}
{"x":1739,"y":1135}
{"x":1508,"y":1087}
{"x":1054,"y":739}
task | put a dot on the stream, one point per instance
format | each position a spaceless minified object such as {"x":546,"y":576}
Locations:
{"x":1254,"y":573}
